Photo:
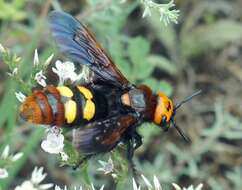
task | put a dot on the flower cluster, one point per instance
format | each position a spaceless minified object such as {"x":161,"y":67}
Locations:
{"x":167,"y":12}
{"x":107,"y":167}
{"x":157,"y":186}
{"x":34,"y":183}
{"x":54,"y":143}
{"x":38,"y":176}
{"x":6,"y":160}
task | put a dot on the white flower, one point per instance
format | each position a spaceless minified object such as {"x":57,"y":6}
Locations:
{"x":54,"y":142}
{"x":17,"y":156}
{"x":34,"y":183}
{"x":64,"y":156}
{"x":156,"y":183}
{"x":65,"y":71}
{"x":38,"y":175}
{"x":20,"y":96}
{"x":93,"y":188}
{"x":166,"y":14}
{"x":3,"y":173}
{"x":26,"y":185}
{"x":177,"y":187}
{"x":5,"y":152}
{"x":135,"y":186}
{"x":107,"y":167}
{"x":36,"y":57}
{"x":40,"y":78}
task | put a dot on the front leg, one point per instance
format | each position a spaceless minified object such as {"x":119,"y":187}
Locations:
{"x":130,"y":154}
{"x":137,"y":140}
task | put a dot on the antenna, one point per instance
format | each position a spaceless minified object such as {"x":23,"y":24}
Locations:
{"x":187,"y":99}
{"x":187,"y":139}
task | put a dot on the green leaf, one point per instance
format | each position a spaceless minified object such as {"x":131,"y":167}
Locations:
{"x":163,"y":63}
{"x":210,"y":37}
{"x":73,"y":154}
{"x":156,"y":85}
{"x":138,"y":49}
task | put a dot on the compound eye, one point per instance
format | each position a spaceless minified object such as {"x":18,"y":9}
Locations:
{"x":163,"y":121}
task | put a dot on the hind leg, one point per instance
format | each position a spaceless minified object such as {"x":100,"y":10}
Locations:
{"x":84,"y":159}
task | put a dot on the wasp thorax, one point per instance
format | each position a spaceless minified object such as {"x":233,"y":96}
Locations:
{"x":164,"y":109}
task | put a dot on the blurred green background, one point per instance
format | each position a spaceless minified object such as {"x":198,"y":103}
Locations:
{"x":203,"y":51}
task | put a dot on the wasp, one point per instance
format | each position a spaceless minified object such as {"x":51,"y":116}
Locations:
{"x":105,"y":111}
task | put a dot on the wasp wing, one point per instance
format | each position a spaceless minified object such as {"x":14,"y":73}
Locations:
{"x":74,"y":39}
{"x":102,"y":136}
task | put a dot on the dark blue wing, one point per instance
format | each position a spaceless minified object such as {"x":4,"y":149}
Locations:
{"x":75,"y":40}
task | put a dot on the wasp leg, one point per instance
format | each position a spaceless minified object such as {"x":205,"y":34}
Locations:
{"x":130,"y":154}
{"x":138,"y":140}
{"x":84,"y":159}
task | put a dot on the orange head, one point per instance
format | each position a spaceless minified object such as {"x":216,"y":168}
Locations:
{"x":164,"y":110}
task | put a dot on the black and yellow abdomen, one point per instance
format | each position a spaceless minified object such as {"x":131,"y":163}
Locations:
{"x":78,"y":103}
{"x":63,"y":105}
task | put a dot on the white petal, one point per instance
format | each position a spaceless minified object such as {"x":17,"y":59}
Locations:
{"x":146,"y":12}
{"x":64,"y":156}
{"x":199,"y":187}
{"x":177,"y":187}
{"x":148,"y":184}
{"x":54,"y":143}
{"x":40,"y":78}
{"x":17,"y":156}
{"x":38,"y":175}
{"x":48,"y":60}
{"x":36,"y":57}
{"x":3,"y":173}
{"x":45,"y":186}
{"x":26,"y":185}
{"x":58,"y":64}
{"x":57,"y":187}
{"x":135,"y":187}
{"x":157,"y":184}
{"x":2,"y":49}
{"x":20,"y":96}
{"x":5,"y":152}
{"x":102,"y":187}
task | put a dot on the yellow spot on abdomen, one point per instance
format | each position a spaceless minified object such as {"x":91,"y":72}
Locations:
{"x":86,"y":92}
{"x":89,"y":109}
{"x":65,"y":91}
{"x":70,"y":111}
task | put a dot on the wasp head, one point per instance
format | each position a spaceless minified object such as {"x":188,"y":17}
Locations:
{"x":165,"y":112}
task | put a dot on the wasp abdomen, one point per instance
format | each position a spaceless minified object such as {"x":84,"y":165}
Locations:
{"x":59,"y":106}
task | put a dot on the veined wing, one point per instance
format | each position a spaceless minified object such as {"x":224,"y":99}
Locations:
{"x":74,"y":39}
{"x":102,"y":136}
